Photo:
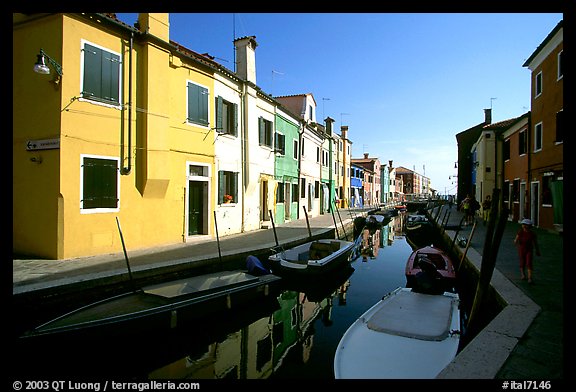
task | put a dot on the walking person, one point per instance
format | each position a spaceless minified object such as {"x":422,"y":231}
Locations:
{"x":527,"y":242}
{"x":465,"y":207}
{"x":486,"y":204}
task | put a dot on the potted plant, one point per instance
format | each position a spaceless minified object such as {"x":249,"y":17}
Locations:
{"x":228,"y":198}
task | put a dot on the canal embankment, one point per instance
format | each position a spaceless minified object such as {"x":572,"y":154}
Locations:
{"x":522,"y":332}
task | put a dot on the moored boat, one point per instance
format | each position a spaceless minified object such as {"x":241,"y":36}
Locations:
{"x":433,"y":260}
{"x":406,"y":335}
{"x":162,"y":306}
{"x":311,"y":258}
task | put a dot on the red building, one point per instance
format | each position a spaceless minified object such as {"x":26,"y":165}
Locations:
{"x":545,"y":145}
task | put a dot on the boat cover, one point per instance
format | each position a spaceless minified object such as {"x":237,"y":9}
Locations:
{"x":414,"y":315}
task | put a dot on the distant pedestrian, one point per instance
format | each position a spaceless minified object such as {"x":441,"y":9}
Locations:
{"x":474,"y":207}
{"x":527,"y":242}
{"x":486,"y":204}
{"x":465,"y":208}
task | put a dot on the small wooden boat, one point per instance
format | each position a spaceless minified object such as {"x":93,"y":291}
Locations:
{"x":433,"y":260}
{"x":405,"y":335}
{"x":311,"y":258}
{"x":162,"y":306}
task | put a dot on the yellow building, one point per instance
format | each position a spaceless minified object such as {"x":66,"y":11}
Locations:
{"x":126,"y":131}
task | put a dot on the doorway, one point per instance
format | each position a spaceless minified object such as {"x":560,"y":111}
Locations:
{"x":534,"y":197}
{"x":197,"y":202}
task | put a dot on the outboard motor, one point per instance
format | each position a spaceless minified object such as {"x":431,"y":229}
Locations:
{"x":429,"y":280}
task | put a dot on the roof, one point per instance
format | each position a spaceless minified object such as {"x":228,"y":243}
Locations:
{"x":504,"y":124}
{"x":544,"y":43}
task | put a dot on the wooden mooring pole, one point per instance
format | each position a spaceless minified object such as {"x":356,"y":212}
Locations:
{"x":489,"y":255}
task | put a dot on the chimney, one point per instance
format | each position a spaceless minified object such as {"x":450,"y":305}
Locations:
{"x":329,"y":121}
{"x":366,"y":155}
{"x":156,"y":24}
{"x":344,"y":131}
{"x":246,"y":58}
{"x":488,"y":116}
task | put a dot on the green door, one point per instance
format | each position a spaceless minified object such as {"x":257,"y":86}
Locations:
{"x":195,"y":207}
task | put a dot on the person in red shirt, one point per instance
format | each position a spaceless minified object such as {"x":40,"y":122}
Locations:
{"x":527,"y":243}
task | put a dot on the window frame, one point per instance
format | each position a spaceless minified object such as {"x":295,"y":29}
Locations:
{"x":538,"y":84}
{"x":538,"y":136}
{"x":83,"y":181}
{"x":522,"y":142}
{"x":226,"y":117}
{"x":280,"y":143}
{"x":200,"y":122}
{"x":265,"y":132}
{"x":100,"y":100}
{"x":227,"y":185}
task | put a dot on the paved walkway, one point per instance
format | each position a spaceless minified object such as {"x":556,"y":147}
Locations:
{"x":535,"y":352}
{"x":538,"y":352}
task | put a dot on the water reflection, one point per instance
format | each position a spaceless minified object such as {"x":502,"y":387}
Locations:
{"x":298,"y":339}
{"x":292,"y":335}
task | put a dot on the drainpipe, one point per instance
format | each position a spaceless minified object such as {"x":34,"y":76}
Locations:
{"x":127,"y":169}
{"x":300,"y":138}
{"x":243,"y":131}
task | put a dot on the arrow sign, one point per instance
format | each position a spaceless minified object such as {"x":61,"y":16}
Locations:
{"x":43,"y":144}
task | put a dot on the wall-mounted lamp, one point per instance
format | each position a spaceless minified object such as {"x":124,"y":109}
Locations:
{"x":41,"y":67}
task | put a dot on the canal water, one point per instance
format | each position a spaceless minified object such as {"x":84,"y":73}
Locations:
{"x":293,"y":335}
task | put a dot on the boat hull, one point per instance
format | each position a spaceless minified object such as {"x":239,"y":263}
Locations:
{"x":441,"y":261}
{"x":299,"y":260}
{"x":406,"y":335}
{"x":164,"y":306}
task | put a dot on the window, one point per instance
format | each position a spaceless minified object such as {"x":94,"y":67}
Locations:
{"x":280,"y":193}
{"x":295,"y":192}
{"x":101,"y":75}
{"x":226,"y":117}
{"x":99,"y":183}
{"x":538,"y":137}
{"x":538,"y":84}
{"x":311,"y":111}
{"x":560,"y":71}
{"x":265,"y":133}
{"x":559,"y":126}
{"x":295,"y":151}
{"x":280,"y":143}
{"x":302,"y":188}
{"x":317,"y":154}
{"x":302,"y":148}
{"x":197,"y":104}
{"x":227,"y":187}
{"x":316,"y":189}
{"x":506,"y":149}
{"x":546,"y":192}
{"x":522,"y":143}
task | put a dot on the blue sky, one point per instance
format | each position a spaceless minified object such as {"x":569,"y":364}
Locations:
{"x":404,"y":83}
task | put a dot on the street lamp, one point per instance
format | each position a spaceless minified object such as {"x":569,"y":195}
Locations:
{"x":41,"y":67}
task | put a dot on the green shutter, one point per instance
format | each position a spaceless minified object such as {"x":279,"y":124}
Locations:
{"x":92,"y":72}
{"x":110,"y":77}
{"x":100,"y":186}
{"x":197,"y":104}
{"x":221,"y":186}
{"x":261,"y":130}
{"x":203,"y":105}
{"x":219,"y":104}
{"x":234,"y":130}
{"x":235,"y":186}
{"x":192,"y":102}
